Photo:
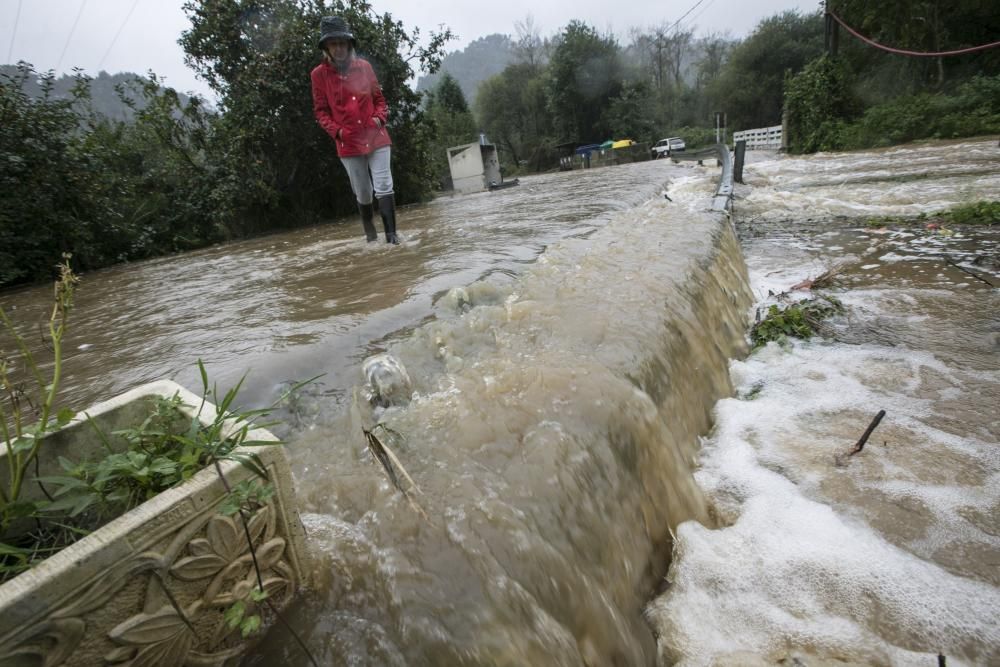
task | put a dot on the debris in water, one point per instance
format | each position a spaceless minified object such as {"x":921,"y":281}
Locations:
{"x":842,"y":460}
{"x":799,"y":320}
{"x":387,"y":381}
{"x":387,"y":459}
{"x":825,"y":280}
{"x":948,"y":260}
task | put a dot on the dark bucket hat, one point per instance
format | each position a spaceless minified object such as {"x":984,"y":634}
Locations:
{"x":334,"y":27}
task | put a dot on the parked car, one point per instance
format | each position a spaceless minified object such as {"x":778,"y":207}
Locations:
{"x":664,"y":147}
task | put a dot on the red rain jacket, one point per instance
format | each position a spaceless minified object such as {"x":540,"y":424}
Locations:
{"x":350,"y":103}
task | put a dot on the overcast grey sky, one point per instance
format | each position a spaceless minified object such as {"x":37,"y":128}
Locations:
{"x":141,"y":35}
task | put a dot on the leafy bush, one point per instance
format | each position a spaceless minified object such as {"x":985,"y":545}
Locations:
{"x":819,"y":102}
{"x":972,"y":108}
{"x":101,"y":190}
{"x":48,"y":197}
{"x":978,"y":213}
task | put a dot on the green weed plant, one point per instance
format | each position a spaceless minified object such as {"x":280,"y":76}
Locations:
{"x":983,"y":212}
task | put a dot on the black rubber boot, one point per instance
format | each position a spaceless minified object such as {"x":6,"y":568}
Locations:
{"x":367,"y":221}
{"x":387,"y":207}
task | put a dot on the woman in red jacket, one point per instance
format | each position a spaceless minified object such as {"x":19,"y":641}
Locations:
{"x":349,"y":105}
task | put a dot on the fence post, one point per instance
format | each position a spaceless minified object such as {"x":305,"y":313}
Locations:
{"x":784,"y":129}
{"x":741,"y":149}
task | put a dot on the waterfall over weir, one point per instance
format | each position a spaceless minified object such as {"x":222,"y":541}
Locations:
{"x":552,"y":432}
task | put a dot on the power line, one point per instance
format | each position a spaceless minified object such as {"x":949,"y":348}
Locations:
{"x":135,"y":3}
{"x":907,"y":52}
{"x":13,"y":34}
{"x":83,"y":3}
{"x":677,"y":22}
{"x":698,"y":15}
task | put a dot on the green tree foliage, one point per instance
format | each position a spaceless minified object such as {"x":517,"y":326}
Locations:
{"x":970,"y":108}
{"x":919,"y":25}
{"x":452,"y":121}
{"x":50,"y":202}
{"x":819,"y":102}
{"x":157,"y":169}
{"x":513,"y":110}
{"x":628,"y":115}
{"x":866,"y":97}
{"x":661,"y":59}
{"x":585,"y":73}
{"x":448,"y":96}
{"x":106,"y":191}
{"x":750,"y":87}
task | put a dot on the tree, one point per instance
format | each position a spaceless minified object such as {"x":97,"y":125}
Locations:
{"x":512,"y":108}
{"x":453,"y":123}
{"x":628,"y":114}
{"x":819,"y":102}
{"x":529,"y":48}
{"x":586,"y":73}
{"x":46,"y":193}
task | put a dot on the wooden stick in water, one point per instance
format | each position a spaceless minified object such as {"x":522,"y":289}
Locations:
{"x":868,"y":431}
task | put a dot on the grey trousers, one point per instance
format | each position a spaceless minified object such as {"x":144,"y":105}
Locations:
{"x":358,"y":167}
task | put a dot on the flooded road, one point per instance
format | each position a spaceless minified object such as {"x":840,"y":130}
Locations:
{"x":893,"y":558}
{"x":290,"y":306}
{"x":568,"y":341}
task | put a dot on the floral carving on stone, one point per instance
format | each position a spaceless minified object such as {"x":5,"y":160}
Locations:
{"x":222,"y":556}
{"x":162,"y":638}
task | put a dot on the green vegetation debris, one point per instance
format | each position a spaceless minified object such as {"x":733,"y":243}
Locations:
{"x":799,"y":320}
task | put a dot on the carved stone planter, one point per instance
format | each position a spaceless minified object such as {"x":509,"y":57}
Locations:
{"x":112,"y":598}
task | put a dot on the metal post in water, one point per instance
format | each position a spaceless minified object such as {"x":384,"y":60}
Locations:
{"x":741,"y":149}
{"x":784,"y":129}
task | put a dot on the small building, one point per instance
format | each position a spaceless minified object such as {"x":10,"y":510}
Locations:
{"x":474,"y":167}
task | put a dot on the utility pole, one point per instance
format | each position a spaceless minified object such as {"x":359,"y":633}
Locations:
{"x":720,"y":127}
{"x":832,"y":32}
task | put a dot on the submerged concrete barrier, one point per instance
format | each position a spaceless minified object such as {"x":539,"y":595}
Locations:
{"x":553,"y":431}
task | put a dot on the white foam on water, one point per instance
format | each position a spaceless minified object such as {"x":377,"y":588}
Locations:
{"x":859,"y":184}
{"x":798,"y":570}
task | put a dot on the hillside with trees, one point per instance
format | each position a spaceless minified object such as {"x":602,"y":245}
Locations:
{"x":482,"y":58}
{"x":104,"y":91}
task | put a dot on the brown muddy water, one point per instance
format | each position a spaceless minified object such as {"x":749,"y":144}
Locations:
{"x":567,"y":342}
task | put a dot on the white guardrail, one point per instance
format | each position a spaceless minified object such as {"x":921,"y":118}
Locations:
{"x":766,"y":138}
{"x":724,"y":193}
